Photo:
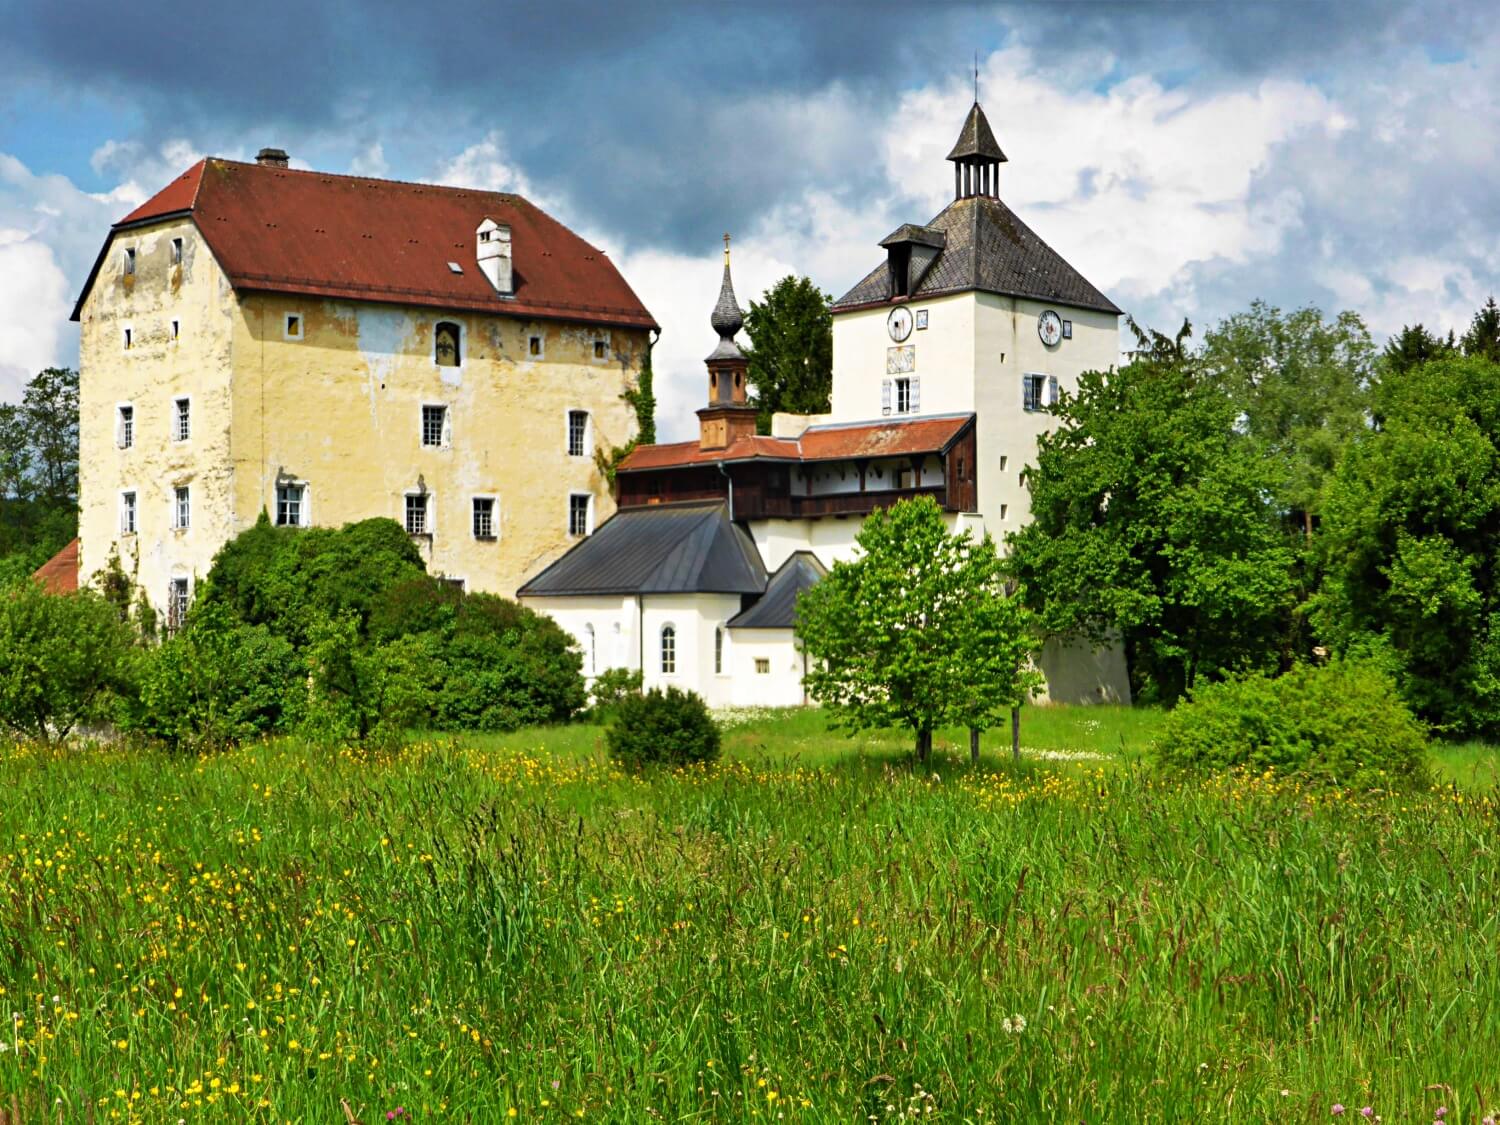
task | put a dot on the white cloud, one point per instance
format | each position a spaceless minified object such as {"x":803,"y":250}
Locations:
{"x":486,"y":166}
{"x":370,"y":161}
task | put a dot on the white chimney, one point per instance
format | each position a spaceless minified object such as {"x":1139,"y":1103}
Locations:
{"x":494,"y":255}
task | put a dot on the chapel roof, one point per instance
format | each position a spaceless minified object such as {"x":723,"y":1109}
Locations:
{"x":353,"y":238}
{"x":987,"y":248}
{"x":689,"y":548}
{"x":59,"y":574}
{"x":777,"y":607}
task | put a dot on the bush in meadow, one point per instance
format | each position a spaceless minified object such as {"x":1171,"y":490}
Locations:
{"x":609,"y":689}
{"x":668,"y":727}
{"x":1340,"y":724}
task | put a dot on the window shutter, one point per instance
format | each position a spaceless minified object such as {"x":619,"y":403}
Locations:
{"x":1027,"y":393}
{"x":885,"y":396}
{"x":916,"y":397}
{"x":1051,"y":390}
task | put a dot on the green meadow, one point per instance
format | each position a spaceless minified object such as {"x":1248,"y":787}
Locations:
{"x":815,"y":929}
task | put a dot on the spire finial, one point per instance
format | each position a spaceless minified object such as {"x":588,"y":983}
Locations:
{"x":726,"y":247}
{"x":727,"y":318}
{"x":976,"y":77}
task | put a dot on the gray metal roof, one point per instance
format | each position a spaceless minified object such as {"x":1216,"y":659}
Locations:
{"x":661,"y":549}
{"x":777,"y":607}
{"x":988,"y":248}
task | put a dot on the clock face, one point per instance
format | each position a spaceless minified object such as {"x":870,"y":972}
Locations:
{"x":1049,"y":328}
{"x":898,"y":324}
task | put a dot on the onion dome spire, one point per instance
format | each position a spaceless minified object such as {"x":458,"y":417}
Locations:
{"x":727,"y":319}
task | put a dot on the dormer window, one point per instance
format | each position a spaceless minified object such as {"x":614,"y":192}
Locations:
{"x":446,"y":344}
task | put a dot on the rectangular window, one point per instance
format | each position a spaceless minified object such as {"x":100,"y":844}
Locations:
{"x":719,"y":651}
{"x":127,"y":427}
{"x":1033,"y":392}
{"x":1003,"y":461}
{"x":578,"y":513}
{"x":177,"y":603}
{"x":416,"y":514}
{"x":534,"y":346}
{"x":578,"y":425}
{"x":434,"y":425}
{"x":175,"y":331}
{"x":453,"y":583}
{"x":182,"y":419}
{"x":1003,"y":509}
{"x":762,"y":666}
{"x":293,"y":327}
{"x":128,"y":339}
{"x":484,"y":517}
{"x":600,"y":350}
{"x":906,"y":396}
{"x":668,"y":650}
{"x":182,"y":507}
{"x":127,"y":513}
{"x":290,"y":500}
{"x":175,"y":255}
{"x":129,"y":265}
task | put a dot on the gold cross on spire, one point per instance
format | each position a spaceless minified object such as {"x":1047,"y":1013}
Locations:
{"x":726,"y":248}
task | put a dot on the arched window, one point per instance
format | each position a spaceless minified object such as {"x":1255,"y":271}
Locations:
{"x":590,"y":652}
{"x":446,"y":340}
{"x":719,"y":651}
{"x":668,"y":650}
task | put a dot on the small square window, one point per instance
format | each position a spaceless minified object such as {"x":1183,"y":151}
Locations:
{"x":175,"y":255}
{"x":290,"y":505}
{"x":174,"y":331}
{"x":127,"y":427}
{"x":921,"y":319}
{"x":434,"y":425}
{"x":601,"y":350}
{"x":484,"y":517}
{"x":416,"y":514}
{"x":182,"y":507}
{"x":762,"y":666}
{"x":182,"y":419}
{"x":578,"y":513}
{"x":129,"y":263}
{"x":127,"y":513}
{"x":129,"y":339}
{"x":293,"y":326}
{"x":578,"y":428}
{"x":534,"y":347}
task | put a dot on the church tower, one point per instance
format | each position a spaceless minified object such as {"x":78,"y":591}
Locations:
{"x":976,"y":158}
{"x":729,"y":415}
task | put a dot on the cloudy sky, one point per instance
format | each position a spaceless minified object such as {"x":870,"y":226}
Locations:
{"x":1186,"y":158}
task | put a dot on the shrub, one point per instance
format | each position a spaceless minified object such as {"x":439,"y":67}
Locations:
{"x":669,"y":727}
{"x":609,"y":689}
{"x":218,"y":682}
{"x":1339,"y":724}
{"x":65,"y":659}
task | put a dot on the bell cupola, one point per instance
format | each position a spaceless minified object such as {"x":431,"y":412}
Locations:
{"x":976,"y":158}
{"x":729,"y":415}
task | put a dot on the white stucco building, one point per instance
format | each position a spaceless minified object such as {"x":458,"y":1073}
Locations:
{"x":945,"y":358}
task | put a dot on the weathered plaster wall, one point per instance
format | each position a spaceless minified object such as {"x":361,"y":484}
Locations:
{"x":341,"y":409}
{"x":149,"y":376}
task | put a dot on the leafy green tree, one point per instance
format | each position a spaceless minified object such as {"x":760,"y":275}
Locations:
{"x":38,"y":472}
{"x":49,"y":408}
{"x":791,"y":349}
{"x":1408,"y":543}
{"x":64,"y":660}
{"x":1412,"y":347}
{"x":916,"y":631}
{"x":1483,"y":337}
{"x":1154,"y":521}
{"x":1301,"y":383}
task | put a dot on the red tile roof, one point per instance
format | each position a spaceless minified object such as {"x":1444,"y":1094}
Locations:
{"x":59,"y":574}
{"x":836,"y":442}
{"x":346,"y":237}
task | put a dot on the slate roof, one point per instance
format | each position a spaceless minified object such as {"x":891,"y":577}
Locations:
{"x":664,"y":549}
{"x":59,"y":574}
{"x":837,"y":441}
{"x":976,"y":138}
{"x":777,"y":607}
{"x":352,"y":238}
{"x":989,"y":249}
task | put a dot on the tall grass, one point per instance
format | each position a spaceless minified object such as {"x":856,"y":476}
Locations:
{"x":463,"y":933}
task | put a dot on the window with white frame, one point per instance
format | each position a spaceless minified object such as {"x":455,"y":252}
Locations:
{"x":484,"y":517}
{"x":578,"y":513}
{"x":590,"y":651}
{"x":906,"y":395}
{"x":129,"y":261}
{"x":578,"y":429}
{"x":127,"y":513}
{"x":668,"y":650}
{"x":1038,"y":391}
{"x":719,"y":651}
{"x":417,"y":522}
{"x":125,"y":426}
{"x":179,"y":597}
{"x":434,"y":425}
{"x":291,"y":328}
{"x":182,"y":419}
{"x":182,"y":507}
{"x":291,"y":505}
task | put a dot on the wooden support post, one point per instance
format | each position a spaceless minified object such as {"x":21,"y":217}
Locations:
{"x":1015,"y":734}
{"x":973,"y":746}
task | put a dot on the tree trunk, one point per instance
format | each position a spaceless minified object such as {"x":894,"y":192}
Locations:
{"x":973,"y":746}
{"x":924,"y":743}
{"x":1015,"y":734}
